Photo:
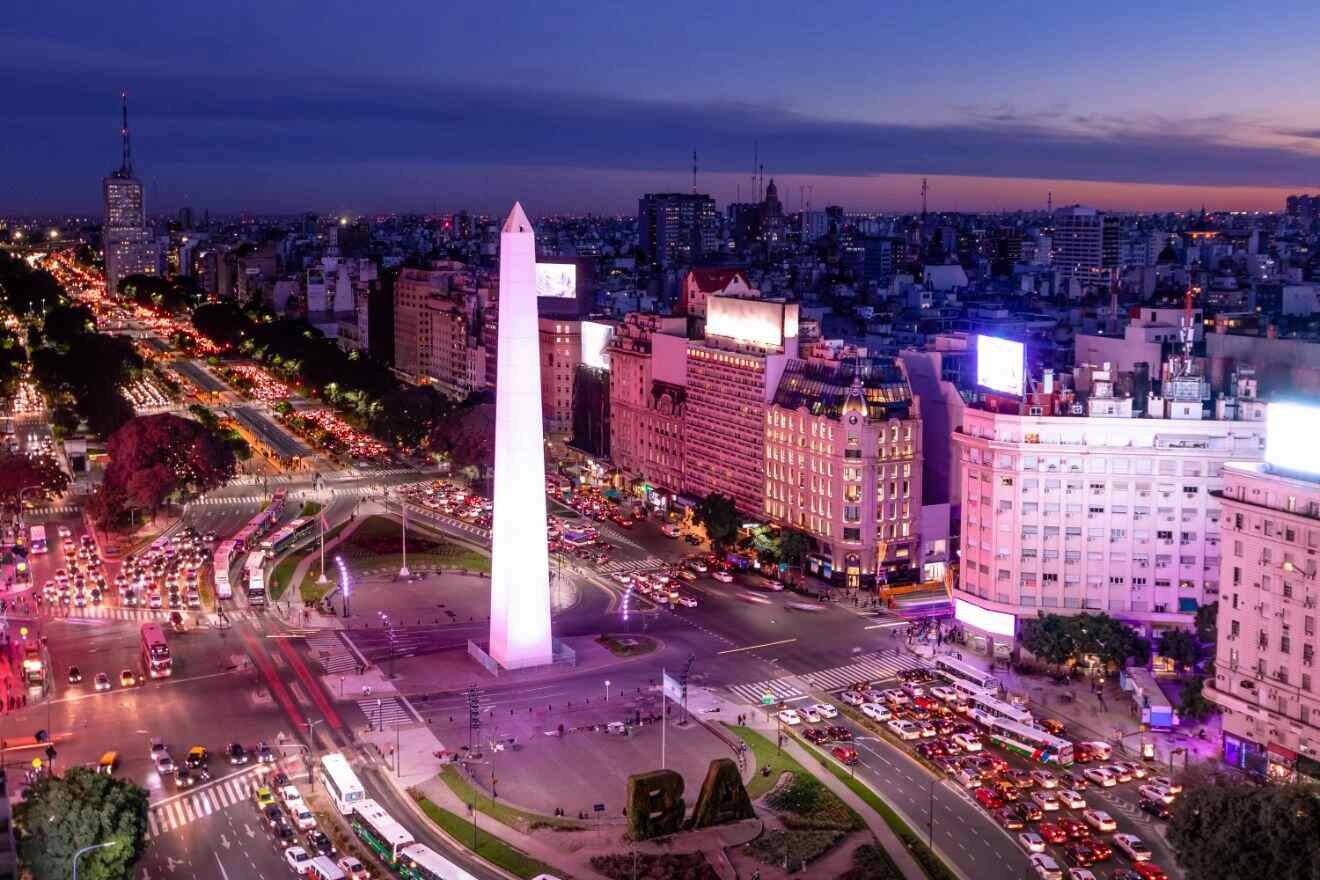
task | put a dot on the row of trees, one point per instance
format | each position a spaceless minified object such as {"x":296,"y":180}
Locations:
{"x":1059,"y":639}
{"x":25,"y":290}
{"x":719,"y":515}
{"x":1227,"y":832}
{"x":174,"y":296}
{"x":83,"y":372}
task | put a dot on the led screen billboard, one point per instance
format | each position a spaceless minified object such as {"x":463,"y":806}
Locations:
{"x":761,"y":322}
{"x":999,"y":364}
{"x":595,"y":336}
{"x":1290,"y":429}
{"x":994,"y":622}
{"x":558,"y":280}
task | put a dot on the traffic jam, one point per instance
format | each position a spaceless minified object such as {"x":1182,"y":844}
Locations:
{"x":1040,"y":787}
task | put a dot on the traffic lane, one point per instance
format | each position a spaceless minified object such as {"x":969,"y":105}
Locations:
{"x":227,"y":844}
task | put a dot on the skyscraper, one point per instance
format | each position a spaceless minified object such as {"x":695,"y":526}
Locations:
{"x":130,"y":248}
{"x":676,"y":229}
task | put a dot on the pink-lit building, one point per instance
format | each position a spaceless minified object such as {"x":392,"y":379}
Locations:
{"x":732,"y":375}
{"x":698,"y":284}
{"x":648,"y":377}
{"x":561,"y":351}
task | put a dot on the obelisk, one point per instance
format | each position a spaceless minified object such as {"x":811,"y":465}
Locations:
{"x":520,"y":564}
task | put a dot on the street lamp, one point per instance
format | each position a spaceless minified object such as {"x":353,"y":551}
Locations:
{"x":607,"y":690}
{"x":346,"y":585}
{"x":403,"y":536}
{"x":88,"y":849}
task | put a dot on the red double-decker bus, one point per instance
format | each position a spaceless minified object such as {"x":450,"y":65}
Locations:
{"x":155,"y":652}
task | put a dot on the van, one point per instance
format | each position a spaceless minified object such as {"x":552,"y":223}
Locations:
{"x":1100,"y":751}
{"x":323,"y":868}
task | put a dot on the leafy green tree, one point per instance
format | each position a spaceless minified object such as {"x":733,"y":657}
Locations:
{"x":1228,"y":832}
{"x":1181,"y":647}
{"x":60,"y":815}
{"x":64,"y":417}
{"x":19,"y":471}
{"x":25,"y":290}
{"x":223,"y":323}
{"x":1207,"y":623}
{"x":106,"y":412}
{"x":793,"y":545}
{"x":1193,"y":704}
{"x":719,"y":516}
{"x":13,"y":359}
{"x":65,"y":325}
{"x":1049,"y":637}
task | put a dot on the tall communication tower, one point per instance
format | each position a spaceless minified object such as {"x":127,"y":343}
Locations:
{"x":126,"y":166}
{"x":694,"y":172}
{"x":924,"y":192}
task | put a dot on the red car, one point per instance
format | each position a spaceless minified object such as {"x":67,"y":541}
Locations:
{"x":1052,"y":832}
{"x":1079,"y":854}
{"x":840,"y":734}
{"x":1148,"y":871}
{"x":846,"y":754}
{"x":1008,"y":819}
{"x":1075,"y":828}
{"x":989,"y":798}
{"x":1099,"y":849}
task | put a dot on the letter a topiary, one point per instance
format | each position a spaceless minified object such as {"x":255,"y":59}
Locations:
{"x":723,"y":797}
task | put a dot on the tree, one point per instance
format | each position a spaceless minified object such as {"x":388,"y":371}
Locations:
{"x":1227,"y":832}
{"x":469,"y":438}
{"x":719,"y":516}
{"x":223,"y":323}
{"x":1192,"y":704}
{"x":406,"y":416}
{"x":1049,"y":637}
{"x":19,"y":470}
{"x":155,"y":457}
{"x":106,"y":412}
{"x":65,"y":325}
{"x":1181,"y":647}
{"x":1207,"y":623}
{"x":793,"y":545}
{"x":60,"y":815}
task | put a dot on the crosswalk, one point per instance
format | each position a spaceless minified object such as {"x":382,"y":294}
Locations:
{"x":117,"y":612}
{"x":617,"y":566}
{"x":53,"y":510}
{"x":333,"y":655}
{"x":386,"y":712}
{"x":173,"y":813}
{"x":872,"y":667}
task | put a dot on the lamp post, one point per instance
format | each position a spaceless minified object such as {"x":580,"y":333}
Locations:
{"x":403,"y":536}
{"x":88,"y":849}
{"x":322,"y":579}
{"x":345,"y":584}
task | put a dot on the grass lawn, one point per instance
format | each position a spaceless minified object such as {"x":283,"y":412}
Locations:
{"x":309,"y":589}
{"x":375,"y":545}
{"x":627,"y":646}
{"x":310,"y":508}
{"x":765,"y":754}
{"x":514,"y":818}
{"x":490,"y":848}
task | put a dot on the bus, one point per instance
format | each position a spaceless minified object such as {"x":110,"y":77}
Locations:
{"x":220,"y":571}
{"x":966,"y":690}
{"x":34,"y":670}
{"x":986,"y":706}
{"x":38,"y":542}
{"x":342,"y":783}
{"x":420,"y":862}
{"x":956,"y":670}
{"x":382,"y":835}
{"x":289,"y":536}
{"x":254,"y":573}
{"x":1030,"y":742}
{"x":155,"y":652}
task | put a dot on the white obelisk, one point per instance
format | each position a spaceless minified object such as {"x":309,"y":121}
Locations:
{"x":520,"y":569}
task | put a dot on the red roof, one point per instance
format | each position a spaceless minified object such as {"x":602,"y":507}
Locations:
{"x":714,"y":280}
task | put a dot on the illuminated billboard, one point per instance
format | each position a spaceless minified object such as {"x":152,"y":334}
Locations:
{"x":595,"y":336}
{"x":558,"y":280}
{"x":759,"y":322}
{"x":994,"y":622}
{"x":999,"y":364}
{"x":1290,"y":429}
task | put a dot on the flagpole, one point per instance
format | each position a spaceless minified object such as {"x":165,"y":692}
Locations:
{"x":664,"y":706}
{"x":322,"y":579}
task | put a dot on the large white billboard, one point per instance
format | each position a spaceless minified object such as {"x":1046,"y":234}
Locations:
{"x":994,"y":622}
{"x":999,"y":364}
{"x":595,"y":336}
{"x":1290,"y":429}
{"x":760,"y":322}
{"x":556,"y":279}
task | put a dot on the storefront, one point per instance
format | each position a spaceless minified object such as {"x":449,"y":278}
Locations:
{"x":1245,"y":755}
{"x":1281,"y":764}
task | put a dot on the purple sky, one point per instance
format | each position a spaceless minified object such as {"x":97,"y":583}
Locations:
{"x":279,"y":106}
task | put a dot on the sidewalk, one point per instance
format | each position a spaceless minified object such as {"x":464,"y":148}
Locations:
{"x":311,"y":617}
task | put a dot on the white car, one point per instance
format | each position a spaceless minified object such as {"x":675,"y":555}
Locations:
{"x":1045,"y":799}
{"x":1136,"y":771}
{"x":687,"y":601}
{"x":895,"y":697}
{"x":289,"y":794}
{"x":1167,"y":784}
{"x":1132,"y":847}
{"x":825,"y":710}
{"x":353,"y":869}
{"x":298,"y":859}
{"x":810,"y":715}
{"x":1032,"y":842}
{"x":790,"y":717}
{"x":947,"y":694}
{"x":904,"y":729}
{"x":1156,"y":793}
{"x":722,"y":576}
{"x":1046,"y":868}
{"x":853,"y":698}
{"x":876,"y":712}
{"x":1044,"y":778}
{"x":1099,"y":820}
{"x":1120,"y":774}
{"x":969,"y":742}
{"x":302,"y":817}
{"x":1100,"y":776}
{"x":1071,"y":799}
{"x":621,"y":578}
{"x":1080,"y":874}
{"x":65,"y":532}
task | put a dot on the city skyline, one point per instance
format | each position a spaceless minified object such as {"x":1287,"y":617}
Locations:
{"x":400,"y":120}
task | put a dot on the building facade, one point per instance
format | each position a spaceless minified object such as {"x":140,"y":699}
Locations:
{"x":561,"y":352}
{"x":677,"y":229}
{"x":1079,"y":242}
{"x":646,"y":412}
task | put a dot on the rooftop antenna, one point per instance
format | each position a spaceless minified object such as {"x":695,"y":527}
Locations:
{"x":756,"y":160}
{"x":1049,"y":203}
{"x":924,"y":191}
{"x":694,"y":172}
{"x":126,"y":167}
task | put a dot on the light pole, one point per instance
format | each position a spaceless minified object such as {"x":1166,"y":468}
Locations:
{"x":607,"y":690}
{"x":346,"y":584}
{"x":88,"y":849}
{"x":322,"y":579}
{"x":403,"y":535}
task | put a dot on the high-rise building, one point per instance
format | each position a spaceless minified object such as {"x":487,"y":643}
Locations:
{"x":130,"y":248}
{"x":1079,"y":242}
{"x":677,"y":229}
{"x":561,"y":352}
{"x":648,"y":392}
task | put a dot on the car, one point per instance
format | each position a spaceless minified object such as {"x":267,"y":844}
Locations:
{"x":236,"y":753}
{"x":947,"y":694}
{"x":273,"y":816}
{"x":839,"y":733}
{"x":809,"y":714}
{"x":1099,"y":820}
{"x":102,"y":681}
{"x":927,"y":729}
{"x":1045,"y":867}
{"x":876,"y":712}
{"x":969,"y":777}
{"x":1149,"y":871}
{"x":1071,"y":799}
{"x":75,"y":675}
{"x":1075,"y":781}
{"x":1045,"y":799}
{"x":1155,"y":793}
{"x":1079,"y":854}
{"x":319,"y":843}
{"x":1075,"y":828}
{"x":157,"y":746}
{"x":64,"y":531}
{"x":1052,"y":726}
{"x":1132,"y":847}
{"x":1045,"y":779}
{"x":815,"y":735}
{"x":1028,"y":811}
{"x":1158,"y":809}
{"x":1007,"y":790}
{"x":1021,"y":778}
{"x":1052,"y":832}
{"x":127,"y":678}
{"x":969,"y":742}
{"x":264,"y":797}
{"x":845,"y":754}
{"x":989,"y":798}
{"x":353,"y":869}
{"x":722,"y":576}
{"x":183,"y":778}
{"x":198,"y":757}
{"x":895,"y":697}
{"x":1080,"y":874}
{"x":302,"y":817}
{"x":687,"y":601}
{"x":1121,"y":774}
{"x":1100,"y":776}
{"x":264,"y":754}
{"x":1136,"y":771}
{"x":853,"y":698}
{"x":1008,"y":819}
{"x":904,"y":729}
{"x":1031,"y":841}
{"x":825,"y":710}
{"x":299,"y":859}
{"x":790,"y":717}
{"x":164,"y":763}
{"x":1099,"y":849}
{"x":692,"y":539}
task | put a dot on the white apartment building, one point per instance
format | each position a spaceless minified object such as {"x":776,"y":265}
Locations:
{"x":1064,"y":514}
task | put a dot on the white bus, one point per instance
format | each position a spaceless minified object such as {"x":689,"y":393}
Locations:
{"x":38,"y":543}
{"x":420,"y":862}
{"x":956,"y":671}
{"x":1030,"y":742}
{"x":255,"y":574}
{"x":378,"y":830}
{"x":220,"y":571}
{"x":966,"y":690}
{"x":985,"y":706}
{"x":342,"y":783}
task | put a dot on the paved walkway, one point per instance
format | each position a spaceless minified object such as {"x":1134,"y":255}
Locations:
{"x":299,"y":614}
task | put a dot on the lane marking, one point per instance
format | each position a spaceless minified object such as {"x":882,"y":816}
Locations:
{"x":757,"y":647}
